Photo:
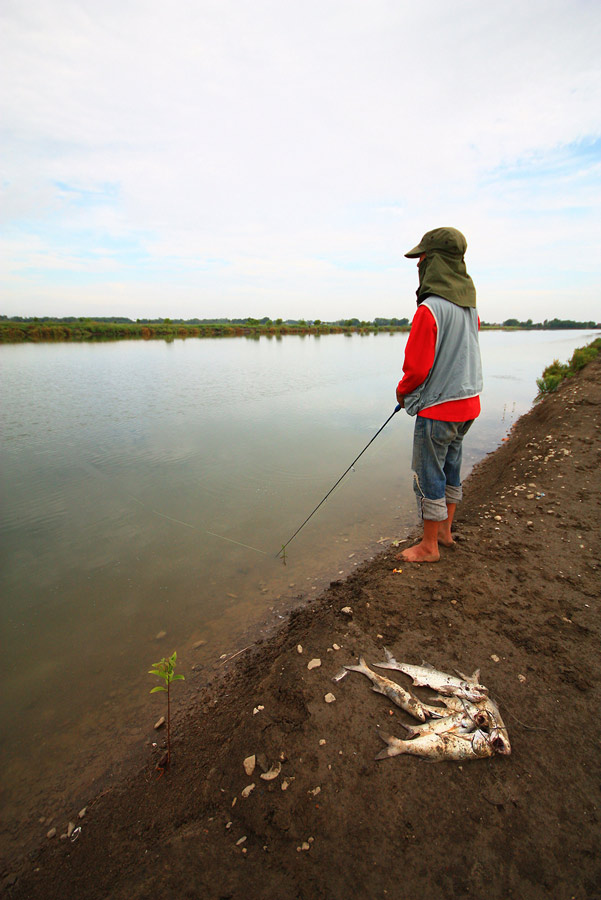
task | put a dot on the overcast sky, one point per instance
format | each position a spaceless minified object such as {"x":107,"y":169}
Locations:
{"x":269,"y":157}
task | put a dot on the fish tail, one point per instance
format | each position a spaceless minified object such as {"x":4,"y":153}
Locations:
{"x":389,"y":663}
{"x":393,"y":748}
{"x":362,"y":667}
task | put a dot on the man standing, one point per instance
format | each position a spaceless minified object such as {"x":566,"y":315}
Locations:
{"x":441,"y":383}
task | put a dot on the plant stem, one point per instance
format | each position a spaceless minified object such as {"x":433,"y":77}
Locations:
{"x":168,"y":725}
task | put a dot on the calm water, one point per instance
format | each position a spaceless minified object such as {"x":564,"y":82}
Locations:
{"x":147,"y":487}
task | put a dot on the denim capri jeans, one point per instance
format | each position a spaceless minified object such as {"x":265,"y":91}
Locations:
{"x":437,"y":450}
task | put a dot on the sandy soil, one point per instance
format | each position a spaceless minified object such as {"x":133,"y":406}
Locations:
{"x":518,"y":596}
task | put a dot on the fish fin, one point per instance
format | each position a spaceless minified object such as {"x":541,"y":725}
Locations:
{"x":384,"y":754}
{"x":390,"y":749}
{"x":409,"y":729}
{"x":389,"y":663}
{"x":377,"y":689}
{"x":362,"y":667}
{"x":471,"y":679}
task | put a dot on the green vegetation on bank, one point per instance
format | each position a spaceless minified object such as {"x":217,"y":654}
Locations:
{"x":19,"y":329}
{"x":555,"y":373}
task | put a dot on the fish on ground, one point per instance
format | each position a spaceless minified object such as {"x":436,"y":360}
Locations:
{"x":440,"y":747}
{"x":467,"y":688}
{"x":456,"y":723}
{"x":401,"y":697}
{"x":488,"y":714}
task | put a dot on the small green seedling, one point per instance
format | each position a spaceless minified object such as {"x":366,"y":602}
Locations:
{"x":165,"y":669}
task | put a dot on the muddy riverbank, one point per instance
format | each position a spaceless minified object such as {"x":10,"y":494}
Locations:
{"x":518,"y":597}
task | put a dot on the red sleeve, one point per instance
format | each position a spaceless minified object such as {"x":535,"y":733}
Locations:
{"x":419,"y":351}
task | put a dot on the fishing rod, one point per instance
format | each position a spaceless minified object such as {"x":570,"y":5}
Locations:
{"x":282,"y":552}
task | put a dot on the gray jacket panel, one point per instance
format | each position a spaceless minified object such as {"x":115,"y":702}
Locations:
{"x":456,"y":373}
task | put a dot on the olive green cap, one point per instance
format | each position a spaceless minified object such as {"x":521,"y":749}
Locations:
{"x":440,"y":240}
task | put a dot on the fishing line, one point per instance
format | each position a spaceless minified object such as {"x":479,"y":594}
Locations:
{"x":194,"y":527}
{"x":248,"y":547}
{"x":282,"y":552}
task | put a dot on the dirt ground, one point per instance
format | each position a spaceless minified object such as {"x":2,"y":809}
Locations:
{"x":518,"y":597}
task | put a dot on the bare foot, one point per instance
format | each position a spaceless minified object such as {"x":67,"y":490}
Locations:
{"x":420,"y":553}
{"x":444,"y":534}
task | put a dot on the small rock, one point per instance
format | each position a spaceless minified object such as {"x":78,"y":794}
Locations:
{"x":273,"y":772}
{"x":305,"y":845}
{"x":240,"y":841}
{"x":161,"y":635}
{"x":42,"y":819}
{"x":234,"y":801}
{"x":314,"y":664}
{"x":329,"y":698}
{"x":299,"y":648}
{"x":257,"y":709}
{"x":70,"y":829}
{"x":248,"y":791}
{"x":159,"y":723}
{"x":347,"y":611}
{"x":249,"y":764}
{"x":82,"y":812}
{"x":498,"y":519}
{"x":522,"y":679}
{"x":51,"y":833}
{"x":198,"y":644}
{"x":322,"y":742}
{"x":228,"y":825}
{"x":494,"y":657}
{"x":315,"y":791}
{"x":335,"y":647}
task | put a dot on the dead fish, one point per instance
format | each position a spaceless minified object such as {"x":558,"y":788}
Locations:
{"x":489,"y":715}
{"x":457,"y":723}
{"x":428,"y":676}
{"x":440,"y":747}
{"x":401,"y":697}
{"x":452,"y":704}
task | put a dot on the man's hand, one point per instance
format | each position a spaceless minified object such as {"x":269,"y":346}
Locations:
{"x":400,"y":399}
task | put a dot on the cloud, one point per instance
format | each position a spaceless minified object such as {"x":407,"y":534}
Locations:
{"x":278,"y":154}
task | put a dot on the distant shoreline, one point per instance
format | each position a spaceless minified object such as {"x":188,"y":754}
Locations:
{"x":18,"y":332}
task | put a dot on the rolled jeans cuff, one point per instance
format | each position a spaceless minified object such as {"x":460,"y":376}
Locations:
{"x":434,"y":510}
{"x":453,"y":494}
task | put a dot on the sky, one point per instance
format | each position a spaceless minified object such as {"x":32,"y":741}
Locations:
{"x":230,"y":158}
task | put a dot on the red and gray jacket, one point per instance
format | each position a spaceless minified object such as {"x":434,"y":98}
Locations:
{"x":443,"y":369}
